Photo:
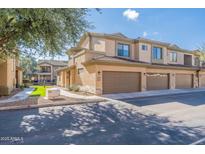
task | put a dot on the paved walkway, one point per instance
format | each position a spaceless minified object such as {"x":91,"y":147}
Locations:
{"x":19,"y":96}
{"x":72,"y":95}
{"x":152,"y":93}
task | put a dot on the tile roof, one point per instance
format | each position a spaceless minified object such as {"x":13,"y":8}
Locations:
{"x":54,"y":62}
{"x":131,"y":61}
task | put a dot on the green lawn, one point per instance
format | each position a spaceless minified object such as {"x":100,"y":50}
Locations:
{"x":39,"y":90}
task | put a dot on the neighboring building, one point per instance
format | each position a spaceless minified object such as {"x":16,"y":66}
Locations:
{"x":113,"y":63}
{"x":10,"y":76}
{"x":47,"y":70}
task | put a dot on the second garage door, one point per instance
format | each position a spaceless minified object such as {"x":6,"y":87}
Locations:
{"x":120,"y":82}
{"x":157,"y":81}
{"x":202,"y":80}
{"x":183,"y":81}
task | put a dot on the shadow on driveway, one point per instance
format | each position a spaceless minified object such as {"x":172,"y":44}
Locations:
{"x":192,"y":99}
{"x":100,"y":123}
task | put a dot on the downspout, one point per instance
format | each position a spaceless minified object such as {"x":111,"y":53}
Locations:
{"x":197,"y":74}
{"x":90,"y":41}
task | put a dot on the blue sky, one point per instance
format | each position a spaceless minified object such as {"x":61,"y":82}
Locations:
{"x":184,"y":27}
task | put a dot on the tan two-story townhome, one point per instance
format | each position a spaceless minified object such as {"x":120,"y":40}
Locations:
{"x":47,"y":70}
{"x":112,"y":63}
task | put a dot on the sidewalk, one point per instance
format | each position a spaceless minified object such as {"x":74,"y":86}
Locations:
{"x":23,"y":101}
{"x":19,"y":96}
{"x":72,"y":95}
{"x":152,"y":93}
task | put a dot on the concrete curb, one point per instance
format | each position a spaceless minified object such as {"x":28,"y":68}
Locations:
{"x":157,"y":95}
{"x":46,"y":105}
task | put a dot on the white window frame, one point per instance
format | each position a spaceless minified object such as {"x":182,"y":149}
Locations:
{"x":171,"y":57}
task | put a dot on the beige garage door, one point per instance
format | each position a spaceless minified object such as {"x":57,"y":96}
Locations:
{"x":157,"y":81}
{"x":183,"y":81}
{"x":202,"y":80}
{"x":120,"y":82}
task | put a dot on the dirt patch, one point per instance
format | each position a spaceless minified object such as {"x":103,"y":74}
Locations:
{"x":80,"y":93}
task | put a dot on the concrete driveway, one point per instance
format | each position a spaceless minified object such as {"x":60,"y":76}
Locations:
{"x":153,"y":120}
{"x":188,"y":108}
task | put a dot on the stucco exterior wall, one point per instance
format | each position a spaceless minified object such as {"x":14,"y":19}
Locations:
{"x":60,"y":79}
{"x":3,"y":79}
{"x":84,"y":76}
{"x":136,"y":51}
{"x":20,"y":77}
{"x":85,"y":43}
{"x":201,"y":75}
{"x":98,"y":44}
{"x":106,"y":46}
{"x":180,"y":57}
{"x":144,"y":56}
{"x":11,"y":72}
{"x":7,"y":77}
{"x":109,"y":46}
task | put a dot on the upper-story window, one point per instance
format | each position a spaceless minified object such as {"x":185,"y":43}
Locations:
{"x":157,"y":53}
{"x":173,"y":56}
{"x":144,"y":47}
{"x":45,"y":69}
{"x":80,"y":70}
{"x":123,"y":50}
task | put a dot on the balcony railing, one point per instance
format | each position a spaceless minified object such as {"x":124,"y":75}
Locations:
{"x":45,"y":71}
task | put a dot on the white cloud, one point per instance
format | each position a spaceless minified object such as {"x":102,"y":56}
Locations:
{"x":131,"y":14}
{"x":145,"y":34}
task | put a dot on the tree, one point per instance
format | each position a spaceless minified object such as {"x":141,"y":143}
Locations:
{"x":29,"y":65}
{"x":201,"y":53}
{"x":40,"y":31}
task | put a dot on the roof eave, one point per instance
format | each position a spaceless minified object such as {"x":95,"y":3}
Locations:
{"x":65,"y":68}
{"x":105,"y":62}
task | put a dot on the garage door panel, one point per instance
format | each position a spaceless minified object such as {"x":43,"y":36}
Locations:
{"x":120,"y":82}
{"x":183,"y":81}
{"x":202,"y":80}
{"x":157,"y":81}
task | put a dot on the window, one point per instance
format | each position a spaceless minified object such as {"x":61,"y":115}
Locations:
{"x":144,"y":47}
{"x":80,"y":70}
{"x":156,"y":53}
{"x":173,"y":57}
{"x":123,"y":50}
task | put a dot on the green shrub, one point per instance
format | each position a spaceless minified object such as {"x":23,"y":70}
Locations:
{"x":26,"y":85}
{"x":21,"y":87}
{"x":74,"y":88}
